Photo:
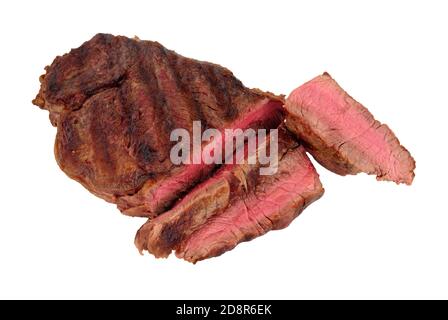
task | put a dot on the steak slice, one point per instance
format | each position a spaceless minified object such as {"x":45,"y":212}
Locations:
{"x":115,"y":101}
{"x":342,"y":135}
{"x":237,"y":204}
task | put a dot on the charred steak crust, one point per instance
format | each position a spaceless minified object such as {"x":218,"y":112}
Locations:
{"x":343,"y":135}
{"x":115,"y":101}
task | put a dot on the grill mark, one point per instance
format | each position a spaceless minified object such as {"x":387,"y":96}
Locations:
{"x":171,"y":233}
{"x":127,"y":118}
{"x":158,"y":98}
{"x":210,"y":88}
{"x":188,"y":93}
{"x":220,"y":89}
{"x":70,"y":139}
{"x":195,"y":75}
{"x":98,"y":135}
{"x":135,"y":140}
{"x":52,"y":82}
{"x":169,"y":108}
{"x":184,"y":84}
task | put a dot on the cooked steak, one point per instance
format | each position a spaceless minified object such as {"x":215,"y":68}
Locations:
{"x":115,"y":102}
{"x":236,"y":204}
{"x":343,"y":135}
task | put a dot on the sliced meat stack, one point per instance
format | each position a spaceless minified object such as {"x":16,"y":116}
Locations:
{"x":343,"y":135}
{"x":236,"y":204}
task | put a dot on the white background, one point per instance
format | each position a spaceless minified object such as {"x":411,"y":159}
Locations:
{"x":363,"y":239}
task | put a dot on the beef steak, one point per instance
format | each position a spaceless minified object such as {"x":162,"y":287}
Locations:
{"x":115,"y":102}
{"x":236,"y":204}
{"x":343,"y":135}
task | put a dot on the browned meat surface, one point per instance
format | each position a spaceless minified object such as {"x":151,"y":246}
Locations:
{"x":115,"y":102}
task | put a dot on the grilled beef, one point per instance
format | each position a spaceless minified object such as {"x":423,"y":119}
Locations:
{"x":343,"y":135}
{"x":115,"y":102}
{"x":236,"y":204}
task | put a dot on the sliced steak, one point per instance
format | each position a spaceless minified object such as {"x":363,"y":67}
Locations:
{"x":157,"y":196}
{"x":115,"y":102}
{"x":343,"y":135}
{"x":236,"y":204}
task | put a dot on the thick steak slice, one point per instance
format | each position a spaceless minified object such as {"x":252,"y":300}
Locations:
{"x":236,"y":204}
{"x":115,"y":102}
{"x":342,"y":135}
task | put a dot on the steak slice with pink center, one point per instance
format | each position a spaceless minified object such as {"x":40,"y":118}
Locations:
{"x":236,"y":204}
{"x":343,"y":135}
